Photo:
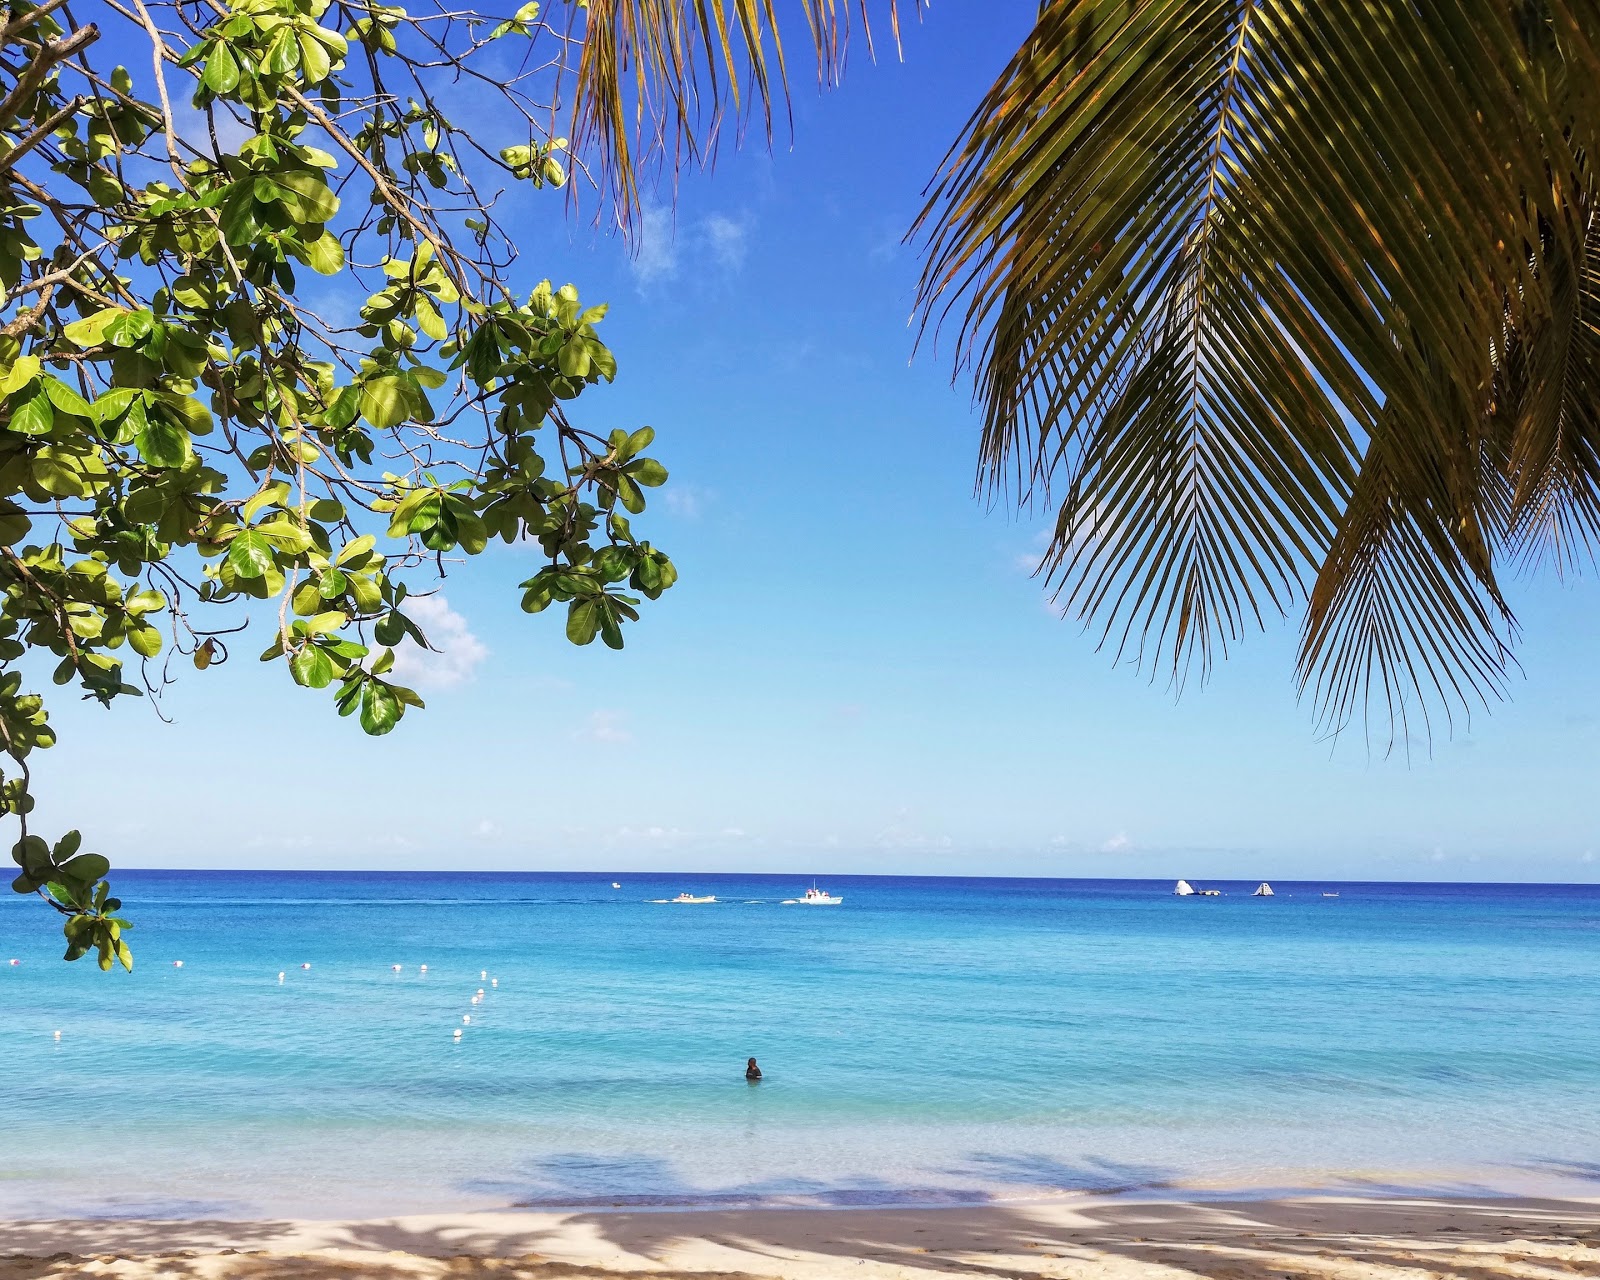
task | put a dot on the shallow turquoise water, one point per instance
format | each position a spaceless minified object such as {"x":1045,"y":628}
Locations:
{"x":930,"y":1040}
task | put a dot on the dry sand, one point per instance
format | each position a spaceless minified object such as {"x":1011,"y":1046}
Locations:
{"x":1323,"y":1238}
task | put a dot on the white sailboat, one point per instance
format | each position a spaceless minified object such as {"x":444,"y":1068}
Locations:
{"x":1263,"y":890}
{"x":1183,"y":890}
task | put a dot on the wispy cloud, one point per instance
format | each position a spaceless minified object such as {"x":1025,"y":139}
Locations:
{"x":1118,"y":843}
{"x":725,"y":239}
{"x":655,"y":256}
{"x":456,"y":651}
{"x":663,"y":246}
{"x":606,"y":726}
{"x":684,"y":500}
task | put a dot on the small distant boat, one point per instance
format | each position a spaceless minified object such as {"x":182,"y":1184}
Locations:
{"x":615,"y":885}
{"x":689,"y":897}
{"x":1183,"y":889}
{"x":1330,"y":895}
{"x":1263,"y":890}
{"x":814,"y":897}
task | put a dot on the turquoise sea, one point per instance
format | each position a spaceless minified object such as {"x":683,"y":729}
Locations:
{"x":931,"y":1040}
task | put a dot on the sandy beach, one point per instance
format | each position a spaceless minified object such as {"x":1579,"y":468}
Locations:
{"x":1322,"y":1238}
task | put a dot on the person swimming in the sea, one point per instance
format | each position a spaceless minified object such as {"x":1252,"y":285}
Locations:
{"x":751,"y":1071}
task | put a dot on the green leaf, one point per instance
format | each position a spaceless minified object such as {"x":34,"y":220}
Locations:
{"x":314,"y":61}
{"x":384,"y":402}
{"x":91,"y":330}
{"x":380,"y":709}
{"x":23,"y":371}
{"x":325,"y":255}
{"x":648,"y":472}
{"x":66,"y":399}
{"x":146,"y":641}
{"x":34,"y":416}
{"x":314,"y":202}
{"x":222,"y":70}
{"x":312,"y":668}
{"x":583,"y":620}
{"x":163,"y":443}
{"x":86,"y":868}
{"x":250,"y":554}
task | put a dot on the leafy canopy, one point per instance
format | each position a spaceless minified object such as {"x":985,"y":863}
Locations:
{"x":193,"y":435}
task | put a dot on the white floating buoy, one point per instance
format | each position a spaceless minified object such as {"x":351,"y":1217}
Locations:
{"x":177,"y":964}
{"x":395,"y":967}
{"x":58,"y":1035}
{"x":466,"y":1017}
{"x":482,"y":974}
{"x":476,"y":999}
{"x":16,"y":962}
{"x":307,"y":965}
{"x":480,"y":991}
{"x":494,"y":982}
{"x":280,"y":977}
{"x":423,"y":968}
{"x":457,"y":1034}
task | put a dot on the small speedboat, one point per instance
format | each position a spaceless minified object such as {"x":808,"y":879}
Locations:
{"x":1330,"y":895}
{"x":615,"y":885}
{"x":689,"y":897}
{"x":814,"y":897}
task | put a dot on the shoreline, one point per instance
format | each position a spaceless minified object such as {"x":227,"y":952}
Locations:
{"x":1313,"y":1237}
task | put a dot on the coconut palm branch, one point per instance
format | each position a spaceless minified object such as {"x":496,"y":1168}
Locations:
{"x":1282,"y":305}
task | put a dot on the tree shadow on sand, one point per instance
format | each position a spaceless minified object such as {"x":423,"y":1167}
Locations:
{"x":1363,"y":1231}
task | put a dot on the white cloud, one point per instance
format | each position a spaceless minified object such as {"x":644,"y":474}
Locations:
{"x":655,"y":254}
{"x":458,"y":651}
{"x":733,"y":833}
{"x":606,"y":726}
{"x":661,"y":247}
{"x":905,"y":833}
{"x":684,"y":501}
{"x":725,"y":238}
{"x":664,"y":836}
{"x":1118,"y":843}
{"x":486,"y":828}
{"x":1588,"y":856}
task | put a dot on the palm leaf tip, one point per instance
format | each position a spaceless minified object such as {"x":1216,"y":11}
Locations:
{"x":658,"y":79}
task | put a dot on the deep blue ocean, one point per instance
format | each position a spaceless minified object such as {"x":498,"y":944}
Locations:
{"x":931,"y":1040}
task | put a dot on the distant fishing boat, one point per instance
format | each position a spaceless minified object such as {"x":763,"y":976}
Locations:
{"x":1330,"y":895}
{"x":689,"y":897}
{"x":615,"y":885}
{"x":814,"y":897}
{"x":1263,"y":890}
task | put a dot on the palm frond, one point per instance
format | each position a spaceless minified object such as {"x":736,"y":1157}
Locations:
{"x":1215,"y":259}
{"x":655,"y":78}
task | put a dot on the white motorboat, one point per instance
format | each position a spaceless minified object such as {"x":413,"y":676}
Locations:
{"x":615,"y":885}
{"x":814,"y":897}
{"x":689,"y":897}
{"x":1263,"y":890}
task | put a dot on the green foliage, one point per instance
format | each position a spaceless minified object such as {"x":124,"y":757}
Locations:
{"x":188,"y":445}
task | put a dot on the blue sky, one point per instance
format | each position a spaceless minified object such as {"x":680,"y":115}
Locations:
{"x":856,"y":672}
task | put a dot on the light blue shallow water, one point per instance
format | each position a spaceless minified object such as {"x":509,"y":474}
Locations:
{"x":930,"y":1040}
